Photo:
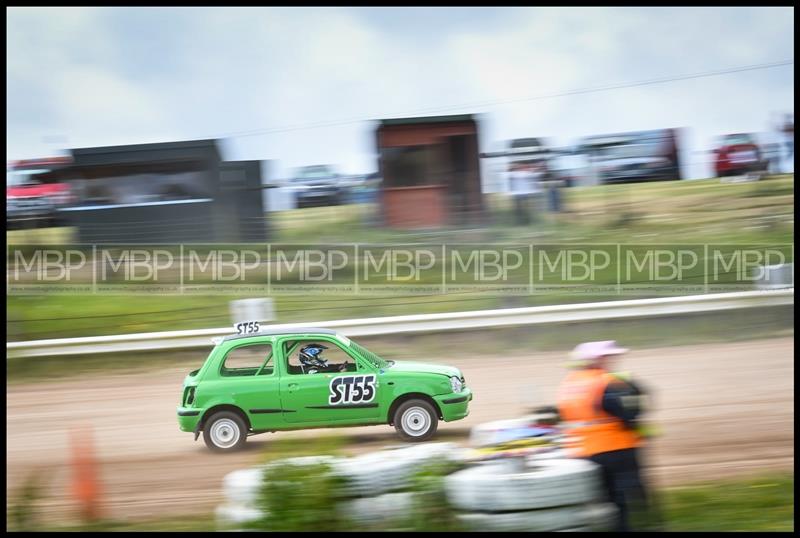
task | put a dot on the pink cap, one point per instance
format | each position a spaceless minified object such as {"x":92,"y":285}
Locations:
{"x":589,"y":351}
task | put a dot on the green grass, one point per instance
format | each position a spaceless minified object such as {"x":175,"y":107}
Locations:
{"x":42,"y":236}
{"x":26,"y":370}
{"x":333,"y":445}
{"x":758,"y":504}
{"x":704,"y":211}
{"x":729,"y":326}
{"x":35,"y":317}
{"x":195,"y":523}
{"x":684,"y":211}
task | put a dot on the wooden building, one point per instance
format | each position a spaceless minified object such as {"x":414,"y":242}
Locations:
{"x":430,"y":170}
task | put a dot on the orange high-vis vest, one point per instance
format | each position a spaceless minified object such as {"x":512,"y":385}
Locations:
{"x":588,"y":428}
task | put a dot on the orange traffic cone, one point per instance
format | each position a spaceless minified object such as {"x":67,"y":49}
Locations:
{"x":85,"y":485}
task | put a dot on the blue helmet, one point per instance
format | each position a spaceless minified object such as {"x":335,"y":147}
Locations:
{"x":311,"y":356}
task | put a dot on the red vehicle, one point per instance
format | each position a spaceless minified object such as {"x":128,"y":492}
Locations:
{"x":32,"y":197}
{"x":738,"y":155}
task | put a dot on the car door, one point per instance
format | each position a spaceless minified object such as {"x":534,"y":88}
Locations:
{"x":247,"y":373}
{"x":327,"y":397}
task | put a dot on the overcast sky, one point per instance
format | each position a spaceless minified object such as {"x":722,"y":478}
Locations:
{"x":79,"y":77}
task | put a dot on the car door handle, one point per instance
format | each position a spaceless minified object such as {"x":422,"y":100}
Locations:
{"x":293,"y":385}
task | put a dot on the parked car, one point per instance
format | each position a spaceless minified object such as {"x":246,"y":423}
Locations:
{"x":32,"y":203}
{"x":634,"y":157}
{"x":569,"y":166}
{"x":29,"y":212}
{"x":739,"y":155}
{"x":362,"y":189}
{"x":317,"y":185}
{"x":264,"y":382}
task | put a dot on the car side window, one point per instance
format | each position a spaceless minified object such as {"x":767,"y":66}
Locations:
{"x":247,"y":360}
{"x":334,"y":357}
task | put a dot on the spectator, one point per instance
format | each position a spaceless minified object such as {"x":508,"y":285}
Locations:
{"x":525,"y":191}
{"x":553,"y":185}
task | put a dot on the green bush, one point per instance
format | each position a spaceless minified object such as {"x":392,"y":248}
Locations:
{"x":311,"y":497}
{"x":430,"y":508}
{"x":301,"y":498}
{"x":23,"y":512}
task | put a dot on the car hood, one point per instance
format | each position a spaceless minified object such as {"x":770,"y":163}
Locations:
{"x":632,"y":161}
{"x":316,"y":183}
{"x":425,"y":368}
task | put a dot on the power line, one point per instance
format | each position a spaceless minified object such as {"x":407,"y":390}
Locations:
{"x":595,"y":89}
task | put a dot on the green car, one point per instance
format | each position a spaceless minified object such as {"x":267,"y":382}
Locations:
{"x":313,"y":378}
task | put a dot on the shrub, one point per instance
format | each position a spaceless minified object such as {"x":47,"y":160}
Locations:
{"x":23,"y":513}
{"x":301,"y":498}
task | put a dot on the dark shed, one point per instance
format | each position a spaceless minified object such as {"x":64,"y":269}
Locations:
{"x":430,"y":170}
{"x":164,"y":193}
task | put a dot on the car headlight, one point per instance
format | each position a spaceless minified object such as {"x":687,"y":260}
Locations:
{"x":455,"y":384}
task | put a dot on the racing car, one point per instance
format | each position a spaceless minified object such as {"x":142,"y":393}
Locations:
{"x":268,"y":381}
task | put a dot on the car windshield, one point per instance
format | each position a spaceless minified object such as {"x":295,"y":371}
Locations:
{"x":314,"y":172}
{"x":628,"y":151}
{"x":738,"y":139}
{"x":370,"y":356}
{"x":22,"y":178}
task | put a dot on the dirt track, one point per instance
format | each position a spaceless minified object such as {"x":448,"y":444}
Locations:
{"x":724,"y":409}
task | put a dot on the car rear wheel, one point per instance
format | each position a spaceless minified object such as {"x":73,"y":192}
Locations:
{"x":225,"y":432}
{"x":416,"y":420}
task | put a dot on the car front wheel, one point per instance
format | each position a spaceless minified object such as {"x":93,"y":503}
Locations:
{"x":225,"y":432}
{"x":416,"y":420}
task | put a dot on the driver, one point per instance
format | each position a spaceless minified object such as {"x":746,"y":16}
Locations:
{"x":313,"y":362}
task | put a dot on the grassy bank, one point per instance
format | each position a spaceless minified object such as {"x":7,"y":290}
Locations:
{"x":688,"y":212}
{"x":762,"y":504}
{"x":729,"y":326}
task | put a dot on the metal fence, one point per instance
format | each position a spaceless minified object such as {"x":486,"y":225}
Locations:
{"x":427,"y":323}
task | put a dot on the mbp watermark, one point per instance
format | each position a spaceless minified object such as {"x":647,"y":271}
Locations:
{"x":134,"y":265}
{"x":743,"y":263}
{"x":575,"y":267}
{"x":46,"y":265}
{"x":394,"y":269}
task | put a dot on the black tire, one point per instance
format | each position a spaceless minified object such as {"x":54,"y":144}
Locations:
{"x":414,"y":413}
{"x":215,"y":432}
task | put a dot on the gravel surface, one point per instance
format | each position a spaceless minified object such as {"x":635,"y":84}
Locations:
{"x":723,"y":410}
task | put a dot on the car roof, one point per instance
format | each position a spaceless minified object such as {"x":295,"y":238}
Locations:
{"x":275,"y":332}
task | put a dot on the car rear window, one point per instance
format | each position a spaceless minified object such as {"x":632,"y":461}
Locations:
{"x":247,"y":360}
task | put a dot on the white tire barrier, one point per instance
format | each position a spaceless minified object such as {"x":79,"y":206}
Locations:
{"x":367,"y":475}
{"x":501,"y":431}
{"x":780,"y":276}
{"x":230,"y":516}
{"x":486,"y":433}
{"x":595,"y":517}
{"x":540,"y":492}
{"x":392,"y":470}
{"x":387,"y":507}
{"x":516,"y":485}
{"x":555,"y":454}
{"x":243,"y":486}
